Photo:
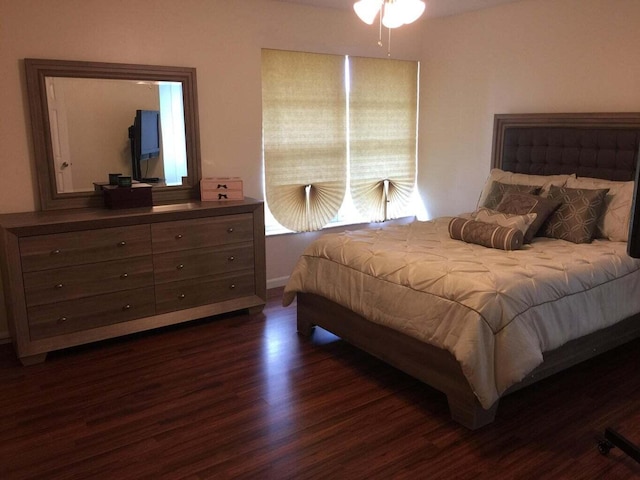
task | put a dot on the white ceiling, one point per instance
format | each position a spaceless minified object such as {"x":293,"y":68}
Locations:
{"x":435,"y":8}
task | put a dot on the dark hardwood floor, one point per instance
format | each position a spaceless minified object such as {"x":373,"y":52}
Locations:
{"x":246,"y":397}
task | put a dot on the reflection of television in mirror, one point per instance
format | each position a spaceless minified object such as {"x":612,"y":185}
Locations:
{"x":633,"y":245}
{"x":145,"y":141}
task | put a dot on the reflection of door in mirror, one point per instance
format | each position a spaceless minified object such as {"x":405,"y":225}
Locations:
{"x":59,"y":136}
{"x":92,"y":117}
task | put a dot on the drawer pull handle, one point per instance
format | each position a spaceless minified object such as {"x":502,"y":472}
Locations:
{"x":232,"y":258}
{"x":180,"y":266}
{"x":179,"y":236}
{"x":222,"y":185}
{"x":122,"y":243}
{"x":124,"y":275}
{"x":59,"y":285}
{"x":230,"y":229}
{"x":232,"y":286}
{"x":61,"y":320}
{"x":55,"y":252}
{"x":181,"y":296}
{"x":126,"y":307}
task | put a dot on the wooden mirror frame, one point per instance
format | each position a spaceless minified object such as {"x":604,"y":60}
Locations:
{"x":36,"y":72}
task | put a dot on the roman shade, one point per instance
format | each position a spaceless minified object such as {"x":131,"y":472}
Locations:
{"x":383,"y":121}
{"x":304,"y":137}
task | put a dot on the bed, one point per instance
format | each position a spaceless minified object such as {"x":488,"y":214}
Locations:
{"x":478,"y":323}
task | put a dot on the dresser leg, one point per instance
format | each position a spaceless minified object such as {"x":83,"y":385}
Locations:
{"x":33,"y":359}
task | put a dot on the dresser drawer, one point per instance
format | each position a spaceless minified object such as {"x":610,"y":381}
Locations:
{"x":201,"y":232}
{"x":61,"y":284}
{"x":75,"y":315}
{"x":89,"y":246}
{"x":202,"y":291}
{"x":202,"y":262}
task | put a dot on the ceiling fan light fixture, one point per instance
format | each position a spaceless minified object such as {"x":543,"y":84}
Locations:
{"x":395,"y":13}
{"x":392,"y":16}
{"x":412,"y":10}
{"x":367,"y":10}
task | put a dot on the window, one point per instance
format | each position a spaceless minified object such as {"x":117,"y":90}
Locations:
{"x":337,"y":128}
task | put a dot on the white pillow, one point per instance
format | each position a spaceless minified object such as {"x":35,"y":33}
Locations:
{"x":613,"y":223}
{"x":510,"y":220}
{"x":544,"y":181}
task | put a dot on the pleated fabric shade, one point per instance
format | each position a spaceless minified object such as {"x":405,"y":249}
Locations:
{"x":383,"y":106}
{"x":304,"y":132}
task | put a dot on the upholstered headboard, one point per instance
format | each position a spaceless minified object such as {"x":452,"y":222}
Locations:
{"x":601,"y":145}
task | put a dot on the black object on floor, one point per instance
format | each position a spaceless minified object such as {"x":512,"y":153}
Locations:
{"x":613,"y":439}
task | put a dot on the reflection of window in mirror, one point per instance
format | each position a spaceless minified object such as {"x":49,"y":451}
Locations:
{"x":89,"y":121}
{"x":174,"y":146}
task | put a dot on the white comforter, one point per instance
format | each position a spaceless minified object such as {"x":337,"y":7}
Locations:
{"x":495,"y":311}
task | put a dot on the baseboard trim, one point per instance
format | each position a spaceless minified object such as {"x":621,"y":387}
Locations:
{"x":277,"y":282}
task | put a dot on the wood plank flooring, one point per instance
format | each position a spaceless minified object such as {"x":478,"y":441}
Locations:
{"x":245,"y":397}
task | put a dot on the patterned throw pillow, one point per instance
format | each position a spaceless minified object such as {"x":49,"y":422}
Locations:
{"x":509,"y":220}
{"x":522,"y":203}
{"x":576,"y":218}
{"x":499,"y":190}
{"x":614,"y":221}
{"x":485,"y":234}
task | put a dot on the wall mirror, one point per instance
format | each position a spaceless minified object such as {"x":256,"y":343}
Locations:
{"x":90,"y":119}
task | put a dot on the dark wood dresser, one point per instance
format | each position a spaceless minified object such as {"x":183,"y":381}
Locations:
{"x":76,"y":276}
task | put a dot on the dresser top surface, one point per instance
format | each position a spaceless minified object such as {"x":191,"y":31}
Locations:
{"x":50,"y":221}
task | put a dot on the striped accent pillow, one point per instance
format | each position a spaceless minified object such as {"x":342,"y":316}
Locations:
{"x":510,"y":220}
{"x":485,"y":234}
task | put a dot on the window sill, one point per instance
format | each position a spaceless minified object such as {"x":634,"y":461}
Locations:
{"x":279,"y":230}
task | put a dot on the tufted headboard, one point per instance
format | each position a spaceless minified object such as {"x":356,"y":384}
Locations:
{"x":601,"y":145}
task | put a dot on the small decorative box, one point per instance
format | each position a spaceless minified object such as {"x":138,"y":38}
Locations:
{"x":221,"y":188}
{"x":137,"y":195}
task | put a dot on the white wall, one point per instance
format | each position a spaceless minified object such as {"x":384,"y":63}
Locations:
{"x":528,"y":56}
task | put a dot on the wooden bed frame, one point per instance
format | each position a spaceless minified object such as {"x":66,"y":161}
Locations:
{"x":437,"y":367}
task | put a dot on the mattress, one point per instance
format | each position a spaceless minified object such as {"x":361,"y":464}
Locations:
{"x":496,"y":311}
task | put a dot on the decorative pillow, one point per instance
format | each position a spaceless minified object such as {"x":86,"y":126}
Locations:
{"x":576,"y":218}
{"x":614,"y":221}
{"x":499,"y":190}
{"x":522,"y":204}
{"x":485,"y":234}
{"x":509,"y":220}
{"x":542,"y":181}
